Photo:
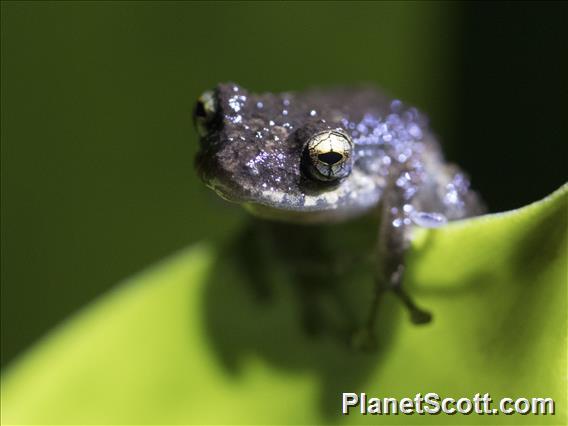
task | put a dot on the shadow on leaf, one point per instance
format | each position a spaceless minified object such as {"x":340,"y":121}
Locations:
{"x":292,"y":297}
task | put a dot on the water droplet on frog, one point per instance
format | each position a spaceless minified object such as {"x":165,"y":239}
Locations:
{"x":397,"y":223}
{"x":396,"y":105}
{"x":415,"y":131}
{"x":428,"y":220}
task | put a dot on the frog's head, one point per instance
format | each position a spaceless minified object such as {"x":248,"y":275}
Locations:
{"x":284,"y":156}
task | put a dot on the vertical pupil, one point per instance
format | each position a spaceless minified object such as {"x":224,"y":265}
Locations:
{"x":330,"y":158}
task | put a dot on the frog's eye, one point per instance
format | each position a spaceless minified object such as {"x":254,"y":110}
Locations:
{"x":204,"y":112}
{"x":329,"y":155}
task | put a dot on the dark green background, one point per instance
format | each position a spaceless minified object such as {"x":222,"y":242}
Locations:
{"x":97,"y":141}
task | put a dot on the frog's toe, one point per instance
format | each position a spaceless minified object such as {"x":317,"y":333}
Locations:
{"x":418,"y":316}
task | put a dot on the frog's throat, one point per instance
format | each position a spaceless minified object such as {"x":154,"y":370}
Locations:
{"x":302,"y":216}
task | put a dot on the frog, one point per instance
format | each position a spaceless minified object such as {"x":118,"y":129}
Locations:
{"x":330,"y":155}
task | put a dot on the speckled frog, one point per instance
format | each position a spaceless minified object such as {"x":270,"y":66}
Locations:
{"x":328,"y":156}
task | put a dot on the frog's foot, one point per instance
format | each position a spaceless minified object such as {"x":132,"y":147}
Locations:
{"x":418,"y":316}
{"x":364,"y":340}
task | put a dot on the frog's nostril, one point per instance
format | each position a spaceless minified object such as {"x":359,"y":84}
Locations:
{"x":330,"y":157}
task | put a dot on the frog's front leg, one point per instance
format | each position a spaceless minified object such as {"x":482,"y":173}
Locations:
{"x":392,"y":244}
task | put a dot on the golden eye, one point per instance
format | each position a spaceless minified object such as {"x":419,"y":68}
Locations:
{"x":330,"y":155}
{"x":204,"y":112}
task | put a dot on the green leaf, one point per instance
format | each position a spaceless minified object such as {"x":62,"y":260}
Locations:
{"x":187,"y":342}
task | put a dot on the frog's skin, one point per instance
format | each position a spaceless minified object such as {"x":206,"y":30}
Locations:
{"x":252,"y":151}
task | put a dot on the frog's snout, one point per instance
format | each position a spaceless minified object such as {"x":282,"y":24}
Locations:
{"x":211,"y":173}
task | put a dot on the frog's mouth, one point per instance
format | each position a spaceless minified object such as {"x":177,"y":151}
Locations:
{"x":226,"y":192}
{"x":272,"y":206}
{"x":330,"y":206}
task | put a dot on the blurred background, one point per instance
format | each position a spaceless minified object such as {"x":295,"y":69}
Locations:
{"x":97,"y":143}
